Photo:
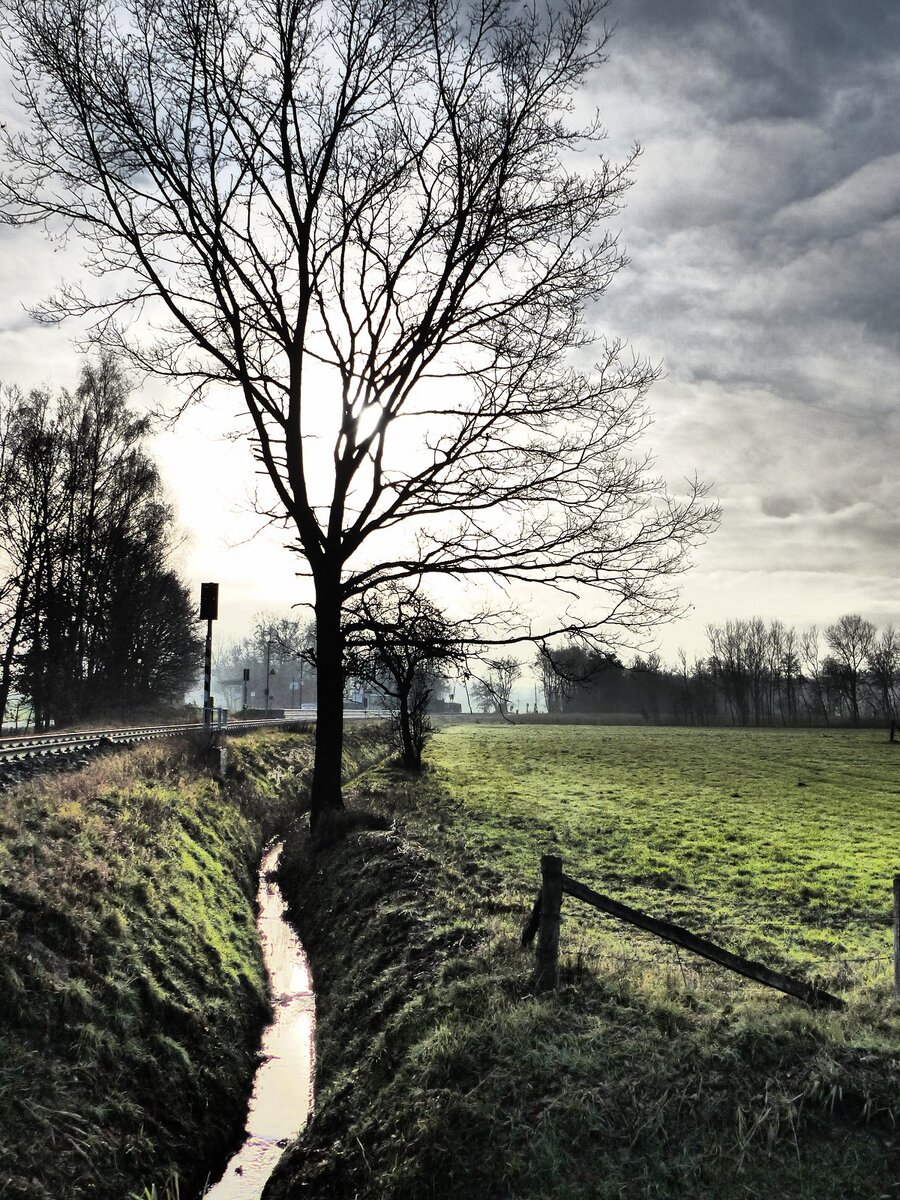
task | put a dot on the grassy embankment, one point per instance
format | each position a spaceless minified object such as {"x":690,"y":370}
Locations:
{"x":441,"y":1075}
{"x":131,"y":983}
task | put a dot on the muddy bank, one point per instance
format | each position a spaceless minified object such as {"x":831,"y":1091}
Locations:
{"x":132,"y":988}
{"x":382,"y":940}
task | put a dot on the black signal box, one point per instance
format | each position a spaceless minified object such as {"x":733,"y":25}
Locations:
{"x":209,"y":601}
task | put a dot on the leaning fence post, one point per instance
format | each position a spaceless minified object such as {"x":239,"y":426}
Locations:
{"x":897,"y":936}
{"x":546,"y":965}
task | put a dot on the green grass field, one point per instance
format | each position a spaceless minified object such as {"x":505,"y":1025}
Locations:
{"x":645,"y":1074}
{"x":781,"y":845}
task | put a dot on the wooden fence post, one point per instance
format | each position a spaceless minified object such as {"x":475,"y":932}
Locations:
{"x":546,"y":974}
{"x":897,"y":936}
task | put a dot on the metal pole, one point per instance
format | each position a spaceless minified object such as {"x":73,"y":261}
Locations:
{"x":209,"y":611}
{"x":207,"y":680}
{"x":268,"y":653}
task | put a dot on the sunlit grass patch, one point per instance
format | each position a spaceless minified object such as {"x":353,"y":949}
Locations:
{"x":707,"y":827}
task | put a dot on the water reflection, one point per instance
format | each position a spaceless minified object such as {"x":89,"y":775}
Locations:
{"x":282,"y":1089}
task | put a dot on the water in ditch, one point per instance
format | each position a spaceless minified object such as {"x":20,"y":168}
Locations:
{"x":282,"y":1088}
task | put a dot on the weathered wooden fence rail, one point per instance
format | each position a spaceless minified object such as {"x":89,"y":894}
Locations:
{"x":545,"y":919}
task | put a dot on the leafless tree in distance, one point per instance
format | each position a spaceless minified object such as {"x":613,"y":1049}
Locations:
{"x":884,"y":663}
{"x":399,"y":642}
{"x":381,"y":221}
{"x":495,"y":682}
{"x":851,"y":639}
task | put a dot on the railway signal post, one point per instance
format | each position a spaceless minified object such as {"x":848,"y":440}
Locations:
{"x":209,"y":611}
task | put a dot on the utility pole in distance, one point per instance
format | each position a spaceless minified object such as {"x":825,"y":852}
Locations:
{"x":209,"y":611}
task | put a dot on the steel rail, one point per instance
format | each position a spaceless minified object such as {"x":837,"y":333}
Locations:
{"x":31,"y":748}
{"x":42,"y":745}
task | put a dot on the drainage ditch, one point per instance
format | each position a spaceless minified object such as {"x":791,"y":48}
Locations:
{"x":283,"y":1085}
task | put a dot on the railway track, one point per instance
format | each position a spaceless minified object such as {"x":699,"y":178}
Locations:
{"x":23,"y":755}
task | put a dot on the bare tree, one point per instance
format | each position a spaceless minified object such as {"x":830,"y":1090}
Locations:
{"x":695,"y":692}
{"x":813,"y":668}
{"x":884,"y":663}
{"x":851,"y":640}
{"x":493,"y":689}
{"x":791,"y":678}
{"x":399,"y":641}
{"x":369,"y":218}
{"x":729,"y":655}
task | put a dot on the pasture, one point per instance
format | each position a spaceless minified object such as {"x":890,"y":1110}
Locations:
{"x":648,"y":1073}
{"x":778,"y":844}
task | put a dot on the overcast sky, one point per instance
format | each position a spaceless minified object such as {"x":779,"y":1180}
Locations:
{"x":763,"y":230}
{"x":764,"y":234}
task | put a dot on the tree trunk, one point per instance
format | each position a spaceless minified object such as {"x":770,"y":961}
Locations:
{"x":6,"y":670}
{"x":410,"y":758}
{"x":12,"y":641}
{"x":326,"y":783}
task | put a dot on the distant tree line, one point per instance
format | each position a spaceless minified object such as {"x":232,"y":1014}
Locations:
{"x":93,"y":620}
{"x":755,"y":673}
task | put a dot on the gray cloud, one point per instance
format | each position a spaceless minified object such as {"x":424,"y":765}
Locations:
{"x":764,"y":233}
{"x":779,"y":58}
{"x":782,"y":506}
